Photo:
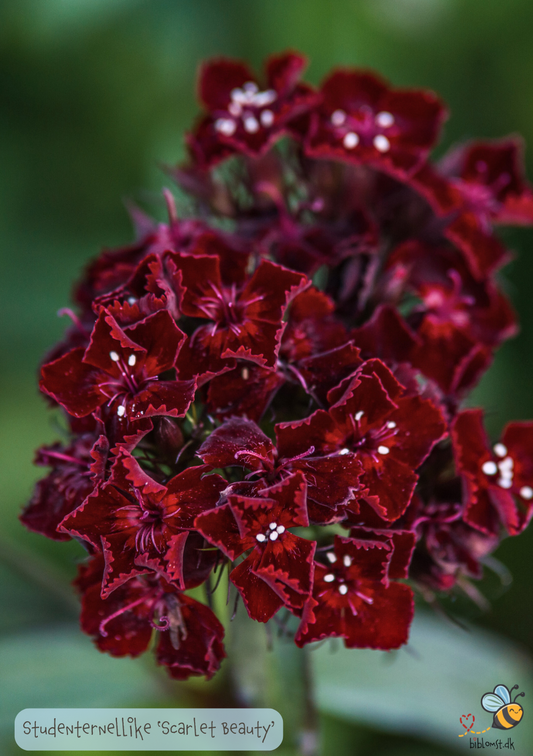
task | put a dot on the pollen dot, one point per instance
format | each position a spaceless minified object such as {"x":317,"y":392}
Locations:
{"x":251,"y":87}
{"x":273,"y":526}
{"x":114,"y":356}
{"x":347,"y":560}
{"x":245,"y":373}
{"x":500,"y":450}
{"x":274,"y":535}
{"x":226,"y":126}
{"x":384,"y":119}
{"x":505,"y":482}
{"x":235,"y":109}
{"x":526,"y":492}
{"x":267,"y":118}
{"x":132,"y":359}
{"x":280,"y":529}
{"x":260,"y":537}
{"x":343,"y":590}
{"x":251,"y":124}
{"x":331,"y":557}
{"x":338,"y":117}
{"x":359,"y":415}
{"x":131,"y":300}
{"x":344,"y":451}
{"x":506,"y":464}
{"x":383,"y":449}
{"x":121,"y":410}
{"x":489,"y":468}
{"x":391,"y":424}
{"x":329,"y":578}
{"x":350,"y":140}
{"x":381,"y":143}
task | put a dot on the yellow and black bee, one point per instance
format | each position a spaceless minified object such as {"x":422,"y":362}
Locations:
{"x":507,"y":713}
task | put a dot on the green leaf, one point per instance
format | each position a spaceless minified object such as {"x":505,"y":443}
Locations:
{"x":424,"y":688}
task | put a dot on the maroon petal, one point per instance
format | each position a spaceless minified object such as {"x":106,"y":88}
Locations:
{"x":260,"y":600}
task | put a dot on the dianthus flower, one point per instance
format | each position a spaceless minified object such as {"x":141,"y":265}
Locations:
{"x":276,"y":385}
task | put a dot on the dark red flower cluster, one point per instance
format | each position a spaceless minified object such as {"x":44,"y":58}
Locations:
{"x":276,"y":383}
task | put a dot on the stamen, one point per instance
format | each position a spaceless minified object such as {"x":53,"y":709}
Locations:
{"x":329,"y":578}
{"x":260,"y":537}
{"x":226,"y":126}
{"x":274,"y":535}
{"x":250,"y":87}
{"x":331,"y":557}
{"x":500,"y":450}
{"x":234,"y":109}
{"x":280,"y":529}
{"x":273,"y":526}
{"x":347,"y":560}
{"x":343,"y":589}
{"x":359,"y":415}
{"x":384,"y":119}
{"x":267,"y":118}
{"x":114,"y":356}
{"x":505,"y":483}
{"x":132,"y":300}
{"x":489,"y":468}
{"x":506,"y":464}
{"x":121,"y":410}
{"x":526,"y":492}
{"x":344,"y":451}
{"x":381,"y":143}
{"x":351,"y":140}
{"x":338,"y":117}
{"x":391,"y":424}
{"x":245,"y":373}
{"x":132,"y":359}
{"x":251,"y":124}
{"x":383,"y":450}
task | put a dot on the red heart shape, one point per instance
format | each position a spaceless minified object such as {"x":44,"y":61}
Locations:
{"x":469,"y":724}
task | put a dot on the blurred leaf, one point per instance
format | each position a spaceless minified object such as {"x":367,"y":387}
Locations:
{"x":424,"y":688}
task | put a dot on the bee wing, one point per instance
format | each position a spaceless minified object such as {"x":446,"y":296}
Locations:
{"x":492,"y":702}
{"x":503,"y":692}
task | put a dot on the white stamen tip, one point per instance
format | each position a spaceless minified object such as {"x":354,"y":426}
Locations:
{"x":384,"y":119}
{"x":245,"y":373}
{"x":273,"y":526}
{"x":131,"y":300}
{"x":489,"y":468}
{"x":506,"y":464}
{"x":234,"y":109}
{"x":250,"y":87}
{"x":391,"y":424}
{"x":114,"y":356}
{"x":381,"y":143}
{"x":329,"y":578}
{"x":132,"y":359}
{"x":280,"y":529}
{"x":338,"y":117}
{"x":344,"y":451}
{"x":267,"y":118}
{"x":260,"y":537}
{"x":526,"y":492}
{"x":505,"y":483}
{"x":500,"y":450}
{"x":226,"y":126}
{"x":121,"y":410}
{"x":265,"y":98}
{"x":343,"y":589}
{"x":383,"y":450}
{"x":359,"y":415}
{"x":331,"y":557}
{"x":251,"y":124}
{"x":347,"y":560}
{"x":350,"y":140}
{"x":274,"y":535}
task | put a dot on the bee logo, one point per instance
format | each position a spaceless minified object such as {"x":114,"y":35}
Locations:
{"x":507,"y":713}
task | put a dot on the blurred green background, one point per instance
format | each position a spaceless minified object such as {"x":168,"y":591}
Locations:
{"x":95,"y":95}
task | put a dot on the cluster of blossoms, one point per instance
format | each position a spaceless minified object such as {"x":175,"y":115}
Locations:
{"x":274,"y":383}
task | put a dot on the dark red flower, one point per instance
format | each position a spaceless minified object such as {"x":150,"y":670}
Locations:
{"x":243,"y":115}
{"x":189,"y":638}
{"x":142,"y":526}
{"x":499,"y":481}
{"x":279,"y":569}
{"x":354,"y":600}
{"x":120,"y":368}
{"x":362,"y":120}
